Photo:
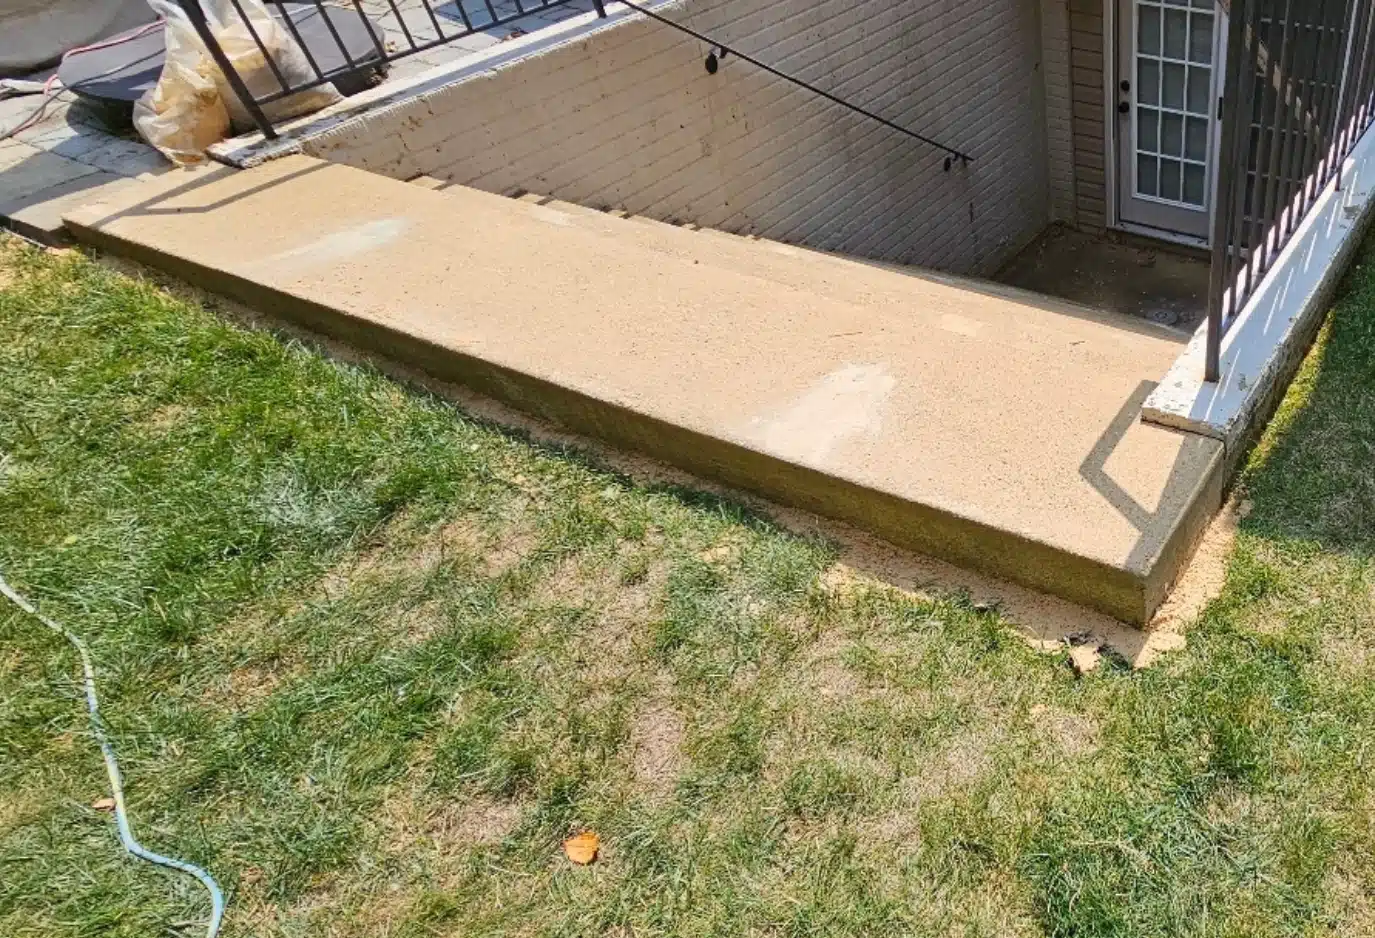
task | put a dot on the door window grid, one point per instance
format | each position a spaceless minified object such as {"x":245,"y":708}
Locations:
{"x":1173,"y":98}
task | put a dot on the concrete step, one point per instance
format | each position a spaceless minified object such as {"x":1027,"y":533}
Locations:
{"x":823,"y":272}
{"x":989,"y":427}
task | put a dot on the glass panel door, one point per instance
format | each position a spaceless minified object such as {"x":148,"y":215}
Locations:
{"x":1166,"y":112}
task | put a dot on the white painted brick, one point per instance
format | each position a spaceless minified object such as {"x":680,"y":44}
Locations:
{"x":628,"y":118}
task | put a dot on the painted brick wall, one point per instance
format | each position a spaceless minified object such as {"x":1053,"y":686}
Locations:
{"x":627,"y":117}
{"x":1055,"y":43}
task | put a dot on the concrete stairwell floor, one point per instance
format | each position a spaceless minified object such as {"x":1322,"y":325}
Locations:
{"x":992,"y":427}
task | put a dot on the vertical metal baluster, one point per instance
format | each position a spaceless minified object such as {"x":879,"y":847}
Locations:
{"x":1228,"y":176}
{"x":333,"y":31}
{"x":1247,"y":145}
{"x":401,"y":21}
{"x":1334,"y":41}
{"x":1355,"y":45}
{"x":1367,"y":73}
{"x":1316,"y":86}
{"x":267,"y":56}
{"x":463,"y":15}
{"x":197,"y":17}
{"x":367,"y":26}
{"x":438,"y":30}
{"x":1300,"y":76}
{"x":301,"y":44}
{"x":1265,"y":143}
{"x":1279,"y":118}
{"x":492,"y":11}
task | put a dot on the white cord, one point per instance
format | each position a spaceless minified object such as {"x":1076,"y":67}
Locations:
{"x":126,"y":834}
{"x":51,"y":89}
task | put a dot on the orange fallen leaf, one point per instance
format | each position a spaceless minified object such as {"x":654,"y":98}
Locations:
{"x":582,"y":849}
{"x":103,"y":804}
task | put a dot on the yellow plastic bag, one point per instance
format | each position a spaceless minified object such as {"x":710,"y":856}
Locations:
{"x":247,"y":58}
{"x":184,"y":113}
{"x":179,"y":117}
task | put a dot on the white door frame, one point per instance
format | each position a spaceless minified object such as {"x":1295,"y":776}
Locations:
{"x":1110,"y":123}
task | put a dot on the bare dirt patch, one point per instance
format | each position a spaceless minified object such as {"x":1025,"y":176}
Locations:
{"x":18,"y":807}
{"x":821,"y":671}
{"x":1074,"y":734}
{"x":656,"y":741}
{"x":506,"y":553}
{"x":9,"y":250}
{"x":246,"y":687}
{"x":442,"y":834}
{"x":963,"y":762}
{"x":1203,"y":578}
{"x":331,"y":906}
{"x":166,"y":418}
{"x":608,"y":646}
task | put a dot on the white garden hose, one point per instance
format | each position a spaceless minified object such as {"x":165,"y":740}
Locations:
{"x":126,"y":834}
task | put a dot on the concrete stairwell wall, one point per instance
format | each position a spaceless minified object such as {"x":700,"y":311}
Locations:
{"x":627,"y":117}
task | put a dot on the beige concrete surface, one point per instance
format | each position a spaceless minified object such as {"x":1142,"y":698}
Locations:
{"x":987,"y":426}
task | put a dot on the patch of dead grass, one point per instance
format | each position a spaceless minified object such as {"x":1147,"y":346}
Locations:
{"x":333,"y":906}
{"x":245,"y":688}
{"x":1072,"y":733}
{"x":415,"y":825}
{"x":820,"y":671}
{"x":656,"y":743}
{"x":1351,"y":902}
{"x":166,"y":418}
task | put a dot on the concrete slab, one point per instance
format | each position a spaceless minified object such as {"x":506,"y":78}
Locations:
{"x":989,"y":426}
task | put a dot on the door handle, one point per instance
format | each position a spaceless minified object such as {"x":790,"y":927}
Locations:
{"x":1124,"y":107}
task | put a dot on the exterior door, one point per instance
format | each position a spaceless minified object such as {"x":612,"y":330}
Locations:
{"x":1168,"y":71}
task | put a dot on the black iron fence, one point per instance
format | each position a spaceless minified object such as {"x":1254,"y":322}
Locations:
{"x":1297,"y":99}
{"x":339,"y":40}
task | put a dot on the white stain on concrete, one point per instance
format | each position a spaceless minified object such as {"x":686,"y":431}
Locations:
{"x":342,"y":245}
{"x":551,"y":216}
{"x":845,"y":404}
{"x":961,"y":325}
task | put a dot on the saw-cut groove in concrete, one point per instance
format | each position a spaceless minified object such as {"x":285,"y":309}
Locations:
{"x":984,"y":425}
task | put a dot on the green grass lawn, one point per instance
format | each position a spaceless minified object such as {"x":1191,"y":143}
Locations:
{"x":369,"y":660}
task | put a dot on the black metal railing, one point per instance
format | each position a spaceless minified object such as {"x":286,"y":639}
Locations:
{"x":429,"y":25}
{"x":1297,"y":99}
{"x":335,"y":54}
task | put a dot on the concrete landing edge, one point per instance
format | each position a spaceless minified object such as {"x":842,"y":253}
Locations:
{"x":1104,"y":515}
